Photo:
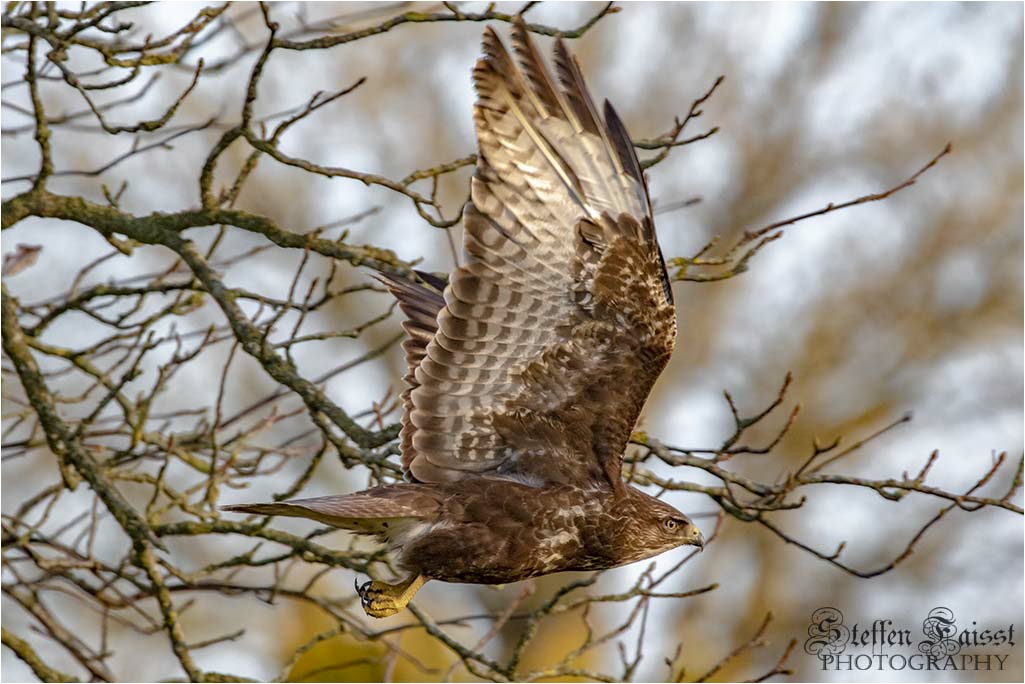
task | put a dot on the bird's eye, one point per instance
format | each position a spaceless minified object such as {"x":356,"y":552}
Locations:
{"x":671,"y":524}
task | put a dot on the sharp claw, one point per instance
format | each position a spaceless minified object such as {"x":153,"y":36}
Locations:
{"x":361,"y":591}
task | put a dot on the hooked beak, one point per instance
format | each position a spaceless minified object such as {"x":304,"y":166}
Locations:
{"x":697,"y":540}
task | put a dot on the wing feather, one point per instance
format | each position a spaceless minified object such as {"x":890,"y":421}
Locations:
{"x":421,"y":302}
{"x":554,"y":330}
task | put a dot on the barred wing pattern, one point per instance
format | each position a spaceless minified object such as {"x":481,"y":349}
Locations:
{"x":421,"y":302}
{"x":561,"y":319}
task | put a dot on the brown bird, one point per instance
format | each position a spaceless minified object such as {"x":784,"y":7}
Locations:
{"x":529,"y":368}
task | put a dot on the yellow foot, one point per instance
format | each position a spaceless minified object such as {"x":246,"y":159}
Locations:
{"x":381,"y":600}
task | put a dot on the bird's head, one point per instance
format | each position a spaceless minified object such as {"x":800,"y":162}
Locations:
{"x":657,"y":527}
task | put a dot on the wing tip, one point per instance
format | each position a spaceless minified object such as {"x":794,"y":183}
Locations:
{"x":492,"y":44}
{"x":421,"y":280}
{"x":519,"y":26}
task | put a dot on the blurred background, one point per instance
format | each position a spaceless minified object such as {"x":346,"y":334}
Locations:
{"x":913,"y":304}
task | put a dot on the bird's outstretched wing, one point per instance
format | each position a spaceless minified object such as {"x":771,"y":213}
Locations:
{"x":557,"y":325}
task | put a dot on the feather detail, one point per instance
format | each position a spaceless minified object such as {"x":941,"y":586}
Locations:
{"x":372,"y":511}
{"x":560,"y":319}
{"x":420,"y":302}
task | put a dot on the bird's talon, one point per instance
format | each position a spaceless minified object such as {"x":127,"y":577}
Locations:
{"x":380,"y":600}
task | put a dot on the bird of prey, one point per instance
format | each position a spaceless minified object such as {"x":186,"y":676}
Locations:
{"x":529,"y":367}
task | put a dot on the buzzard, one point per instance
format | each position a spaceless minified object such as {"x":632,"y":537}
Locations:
{"x":529,"y":367}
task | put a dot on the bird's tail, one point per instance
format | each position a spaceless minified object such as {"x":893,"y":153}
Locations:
{"x":369,"y":512}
